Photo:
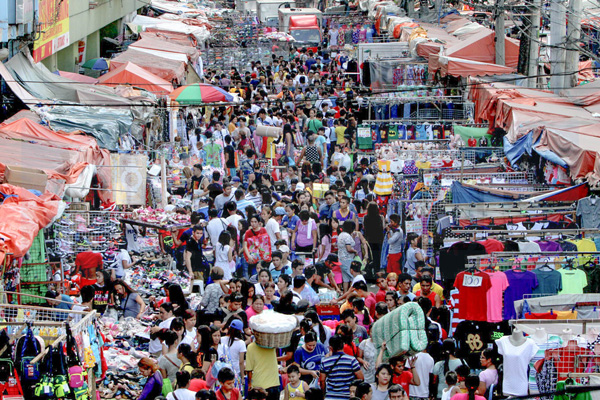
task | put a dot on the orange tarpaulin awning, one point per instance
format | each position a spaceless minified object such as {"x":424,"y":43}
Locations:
{"x":23,"y":216}
{"x":465,"y":68}
{"x":134,"y":75}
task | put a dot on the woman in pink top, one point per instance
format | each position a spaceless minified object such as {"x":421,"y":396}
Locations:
{"x":258,"y":305}
{"x":472,"y":384}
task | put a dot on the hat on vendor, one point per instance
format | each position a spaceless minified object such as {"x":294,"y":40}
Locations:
{"x":280,"y":211}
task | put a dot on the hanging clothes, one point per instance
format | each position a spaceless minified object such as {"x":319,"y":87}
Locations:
{"x":384,"y":181}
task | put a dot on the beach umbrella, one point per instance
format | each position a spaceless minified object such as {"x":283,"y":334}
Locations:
{"x":97,"y":64}
{"x":198,"y":93}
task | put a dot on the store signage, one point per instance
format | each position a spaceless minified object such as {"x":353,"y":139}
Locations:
{"x":54,"y":26}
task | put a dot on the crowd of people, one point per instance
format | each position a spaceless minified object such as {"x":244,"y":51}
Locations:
{"x":261,"y":240}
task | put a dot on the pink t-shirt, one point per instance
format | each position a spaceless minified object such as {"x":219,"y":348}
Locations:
{"x":489,"y":376}
{"x":251,"y":313}
{"x":465,"y":396}
{"x":494,"y":295}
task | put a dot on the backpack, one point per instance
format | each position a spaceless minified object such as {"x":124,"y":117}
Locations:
{"x":28,"y":348}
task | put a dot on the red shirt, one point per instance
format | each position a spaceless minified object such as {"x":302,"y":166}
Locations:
{"x":380,"y":296}
{"x":431,"y":296}
{"x":473,"y":287}
{"x":197,"y":385}
{"x":403,"y":380}
{"x":235,"y":395}
{"x":89,"y":259}
{"x":371,"y":302}
{"x":492,"y":245}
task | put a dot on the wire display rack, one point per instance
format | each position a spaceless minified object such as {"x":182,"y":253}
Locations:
{"x":78,"y":231}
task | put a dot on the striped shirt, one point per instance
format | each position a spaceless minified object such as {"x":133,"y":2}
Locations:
{"x":340,"y":369}
{"x":257,"y":200}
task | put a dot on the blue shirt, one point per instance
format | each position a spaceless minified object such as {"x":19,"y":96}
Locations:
{"x":242,"y":204}
{"x":287,"y":270}
{"x":310,"y":361}
{"x":340,"y":369}
{"x":291,"y":223}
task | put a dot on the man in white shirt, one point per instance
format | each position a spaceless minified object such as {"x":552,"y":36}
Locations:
{"x":272,"y":223}
{"x":215,"y":226}
{"x":230,"y":214}
{"x":219,"y":132}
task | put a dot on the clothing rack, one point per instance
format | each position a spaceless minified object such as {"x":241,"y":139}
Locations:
{"x":515,"y":204}
{"x":530,"y":232}
{"x":463,"y":122}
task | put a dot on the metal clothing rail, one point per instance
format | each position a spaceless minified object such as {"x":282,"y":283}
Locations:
{"x":526,"y":233}
{"x":463,"y":121}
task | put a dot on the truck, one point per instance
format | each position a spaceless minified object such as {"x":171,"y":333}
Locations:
{"x":304,"y":24}
{"x":267,"y":11}
{"x":246,"y":6}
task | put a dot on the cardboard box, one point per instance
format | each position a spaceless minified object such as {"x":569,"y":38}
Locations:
{"x":28,"y":178}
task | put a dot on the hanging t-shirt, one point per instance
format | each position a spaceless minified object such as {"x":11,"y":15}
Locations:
{"x":494,"y":295}
{"x":471,"y":339}
{"x":213,"y":155}
{"x":515,"y":380}
{"x":529,"y":247}
{"x":547,"y":245}
{"x":473,"y":286}
{"x":573,"y":281}
{"x":454,"y":258}
{"x":592,"y":273}
{"x":520,"y":283}
{"x":549,"y":281}
{"x":492,"y":245}
{"x":363,"y":137}
{"x":589,"y":210}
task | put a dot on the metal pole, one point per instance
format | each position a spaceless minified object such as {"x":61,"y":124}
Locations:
{"x":500,"y":33}
{"x":163,"y":180}
{"x":534,"y":44}
{"x":558,"y":31}
{"x":573,"y":37}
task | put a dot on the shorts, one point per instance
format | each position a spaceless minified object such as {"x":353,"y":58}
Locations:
{"x":346,"y":275}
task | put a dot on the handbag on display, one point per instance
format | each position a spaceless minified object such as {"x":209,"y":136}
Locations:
{"x":77,"y":374}
{"x":10,"y":385}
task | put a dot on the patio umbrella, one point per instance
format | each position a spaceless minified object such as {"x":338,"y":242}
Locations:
{"x":198,"y":93}
{"x":97,"y":64}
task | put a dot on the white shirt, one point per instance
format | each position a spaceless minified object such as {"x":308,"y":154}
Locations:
{"x":515,"y":381}
{"x":272,"y":228}
{"x":233,"y":353}
{"x":214,"y":228}
{"x":222,"y":260}
{"x":155,"y":345}
{"x":234,"y":220}
{"x":424,"y":366}
{"x":122,"y":256}
{"x":182,"y":394}
{"x":190,"y":338}
{"x":357,"y":278}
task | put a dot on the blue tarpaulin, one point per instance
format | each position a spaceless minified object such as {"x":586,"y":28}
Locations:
{"x":525,"y":145}
{"x":471,"y":194}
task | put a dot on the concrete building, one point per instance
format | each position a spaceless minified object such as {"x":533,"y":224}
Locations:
{"x":88,"y":22}
{"x":16,"y":25}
